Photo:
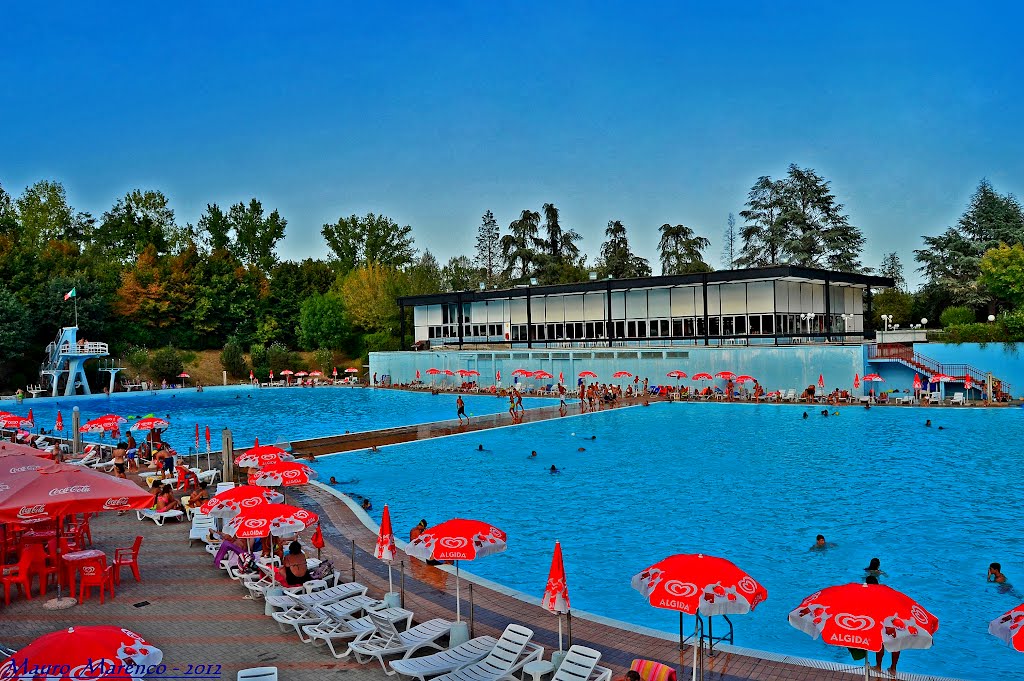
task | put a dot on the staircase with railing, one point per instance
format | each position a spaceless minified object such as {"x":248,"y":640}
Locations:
{"x":906,"y":355}
{"x":67,"y":355}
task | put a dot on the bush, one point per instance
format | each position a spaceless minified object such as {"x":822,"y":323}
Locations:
{"x":957,"y":315}
{"x":1014,"y":325}
{"x":136,"y":359}
{"x":258,"y":356}
{"x":975,"y":333}
{"x":382,"y":341}
{"x":279,"y":357}
{"x":166,"y":364}
{"x":324,"y":360}
{"x":233,"y":359}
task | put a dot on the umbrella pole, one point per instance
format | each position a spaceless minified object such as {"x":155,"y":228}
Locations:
{"x":559,"y":632}
{"x":696,"y":641}
{"x":391,"y":586}
{"x":867,"y":667}
{"x":458,"y":601}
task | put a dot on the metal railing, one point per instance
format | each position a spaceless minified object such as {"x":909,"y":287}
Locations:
{"x":907,"y":355}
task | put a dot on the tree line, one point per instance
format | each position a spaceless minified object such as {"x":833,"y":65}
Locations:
{"x":145,"y":281}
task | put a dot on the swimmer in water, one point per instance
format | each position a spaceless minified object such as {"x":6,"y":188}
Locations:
{"x":995,"y":574}
{"x":582,"y":449}
{"x":479,"y":448}
{"x":333,"y":480}
{"x":533,"y":454}
{"x":593,"y":437}
{"x":928,"y":423}
{"x":824,"y":412}
{"x":805,"y":414}
{"x":553,"y":470}
{"x":820,"y":544}
{"x":874,"y":568}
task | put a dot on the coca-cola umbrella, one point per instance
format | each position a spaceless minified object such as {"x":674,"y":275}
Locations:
{"x":856,"y":381}
{"x":821,"y":381}
{"x":276,"y":519}
{"x":917,"y":382}
{"x":1008,"y":628}
{"x":968,"y":382}
{"x":84,"y":652}
{"x":699,"y":585}
{"x":62,"y":489}
{"x":457,"y":539}
{"x":745,"y":379}
{"x":867,"y":617}
{"x":8,"y":420}
{"x":941,"y":379}
{"x":287,"y":373}
{"x":676,"y":374}
{"x":556,"y":591}
{"x":702,"y":376}
{"x":351,"y":370}
{"x":542,"y":375}
{"x":872,"y":378}
{"x":385,"y":549}
{"x":230,"y":502}
{"x":103,"y":424}
{"x":59,"y":425}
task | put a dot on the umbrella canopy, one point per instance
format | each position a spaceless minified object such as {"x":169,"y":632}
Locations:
{"x":62,"y":489}
{"x":587,"y":374}
{"x":702,"y":377}
{"x":385,"y":549}
{"x":276,"y":519}
{"x":622,"y":374}
{"x":556,"y":593}
{"x":917,"y":381}
{"x":868,"y":378}
{"x":676,"y":374}
{"x":866,"y":617}
{"x":465,"y":372}
{"x":8,"y":420}
{"x":258,"y":457}
{"x":968,"y":382}
{"x":449,"y":372}
{"x":283,"y":474}
{"x":522,"y":372}
{"x":287,"y":372}
{"x":151,"y":423}
{"x":302,"y":373}
{"x":745,"y":379}
{"x":541,"y":374}
{"x":458,"y":539}
{"x":940,"y":378}
{"x":18,"y":463}
{"x":316,"y":373}
{"x":726,"y":375}
{"x":101,"y":652}
{"x":230,"y":502}
{"x":102,"y":424}
{"x":1008,"y":627}
{"x":821,"y":380}
{"x":432,"y":371}
{"x":183,"y":375}
{"x":251,"y":375}
{"x":335,"y":372}
{"x":695,"y":583}
{"x":351,"y":370}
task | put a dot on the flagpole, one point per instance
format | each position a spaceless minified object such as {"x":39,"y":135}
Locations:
{"x":76,"y":309}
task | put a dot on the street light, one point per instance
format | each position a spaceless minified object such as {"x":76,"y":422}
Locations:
{"x":887,"y":320}
{"x":924,"y":321}
{"x":991,"y":317}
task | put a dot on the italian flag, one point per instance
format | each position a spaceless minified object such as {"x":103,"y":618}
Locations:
{"x":71,"y":294}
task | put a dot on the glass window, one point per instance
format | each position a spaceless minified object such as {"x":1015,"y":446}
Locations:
{"x":620,"y":329}
{"x":430,"y":332}
{"x":766,"y":324}
{"x":727,"y":326}
{"x":664,"y":327}
{"x":688,"y":327}
{"x":641,"y":329}
{"x":589,"y":330}
{"x":579,"y":330}
{"x":700,"y":326}
{"x":677,"y":327}
{"x":598,"y":330}
{"x":755,"y":325}
{"x":515,"y":332}
{"x":631,"y":330}
{"x":714,"y":326}
{"x":654,"y":328}
{"x":740,"y":325}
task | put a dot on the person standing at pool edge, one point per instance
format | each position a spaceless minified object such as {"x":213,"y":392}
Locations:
{"x":461,"y":408}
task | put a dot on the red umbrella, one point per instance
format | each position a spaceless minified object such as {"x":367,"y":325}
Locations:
{"x":101,"y":424}
{"x":153,"y":423}
{"x":1008,"y":627}
{"x":868,"y":378}
{"x":940,"y":378}
{"x":183,"y":375}
{"x":252,"y":376}
{"x":276,"y":519}
{"x":62,"y":489}
{"x":335,"y":372}
{"x":866,"y":617}
{"x":541,"y":374}
{"x":699,"y":585}
{"x":676,"y":374}
{"x":271,"y":374}
{"x":449,"y":372}
{"x":259,"y":457}
{"x":84,"y":652}
{"x":230,"y":502}
{"x":283,"y":474}
{"x":463,"y":372}
{"x":587,"y":374}
{"x":385,"y":549}
{"x":302,"y":373}
{"x":522,"y":372}
{"x":726,"y":375}
{"x":351,"y":370}
{"x":556,"y":593}
{"x":15,"y":421}
{"x":417,"y":374}
{"x":702,"y":377}
{"x":316,"y":373}
{"x":745,"y":379}
{"x":207,"y":438}
{"x":821,"y":380}
{"x":856,"y":380}
{"x":561,"y":377}
{"x":433,"y":372}
{"x":287,"y":372}
{"x":457,"y":539}
{"x":968,"y":382}
{"x":622,"y":374}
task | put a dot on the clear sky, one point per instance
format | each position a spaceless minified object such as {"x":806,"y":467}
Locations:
{"x":432,"y":113}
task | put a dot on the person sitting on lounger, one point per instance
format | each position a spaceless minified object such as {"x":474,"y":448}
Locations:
{"x":295,"y":571}
{"x":197,"y":498}
{"x":165,"y":501}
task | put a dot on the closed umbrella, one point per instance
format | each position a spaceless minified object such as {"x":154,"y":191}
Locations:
{"x":385,"y":549}
{"x":556,"y":591}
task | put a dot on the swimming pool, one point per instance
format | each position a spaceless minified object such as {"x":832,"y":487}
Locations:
{"x":272,"y":415}
{"x":753,"y":483}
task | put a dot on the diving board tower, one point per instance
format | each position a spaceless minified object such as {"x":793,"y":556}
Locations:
{"x":65,"y":360}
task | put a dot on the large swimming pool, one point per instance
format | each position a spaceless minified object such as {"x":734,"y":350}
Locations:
{"x":271,"y":414}
{"x":751,"y":483}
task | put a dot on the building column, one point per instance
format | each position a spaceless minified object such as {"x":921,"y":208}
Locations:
{"x":828,"y":310}
{"x":458,"y":315}
{"x":529,"y":320}
{"x":704,"y":293}
{"x":609,"y":326}
{"x":869,"y":317}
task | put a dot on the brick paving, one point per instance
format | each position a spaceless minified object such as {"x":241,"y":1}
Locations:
{"x":197,"y":615}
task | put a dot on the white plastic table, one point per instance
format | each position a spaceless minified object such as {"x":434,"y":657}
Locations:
{"x":538,"y":668}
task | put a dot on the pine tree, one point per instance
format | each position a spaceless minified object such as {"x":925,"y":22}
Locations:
{"x":488,"y":248}
{"x":729,"y":243}
{"x":617,"y":260}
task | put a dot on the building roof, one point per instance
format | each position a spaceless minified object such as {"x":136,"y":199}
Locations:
{"x":779,"y":272}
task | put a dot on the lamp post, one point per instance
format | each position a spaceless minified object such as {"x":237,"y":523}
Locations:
{"x":991,"y":318}
{"x":886,"y":321}
{"x":847,"y":318}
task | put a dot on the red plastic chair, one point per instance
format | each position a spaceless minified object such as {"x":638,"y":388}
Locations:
{"x":127,"y":558}
{"x":47,"y":565}
{"x":96,"y":574}
{"x":21,"y":574}
{"x":186,"y":479}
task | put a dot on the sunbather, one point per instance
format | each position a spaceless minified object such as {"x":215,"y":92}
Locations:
{"x":166,"y":501}
{"x":295,"y":571}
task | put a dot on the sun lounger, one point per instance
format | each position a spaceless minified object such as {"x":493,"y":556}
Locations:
{"x":345,"y":632}
{"x":958,"y":398}
{"x":158,"y":517}
{"x":299,"y":617}
{"x":351,"y":607}
{"x":201,"y":526}
{"x":296,"y":605}
{"x":446,"y":661}
{"x":580,"y":664}
{"x":512,"y":652}
{"x":387,"y":641}
{"x":257,"y":674}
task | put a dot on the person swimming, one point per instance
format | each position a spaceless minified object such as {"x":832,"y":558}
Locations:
{"x":533,"y":455}
{"x":820,"y":544}
{"x":928,"y":423}
{"x":553,"y":469}
{"x":874,"y":568}
{"x":824,"y":412}
{"x":581,"y":449}
{"x":479,"y":448}
{"x":805,"y":414}
{"x":332,"y":481}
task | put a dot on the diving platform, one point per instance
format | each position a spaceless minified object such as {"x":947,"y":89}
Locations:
{"x":65,"y":361}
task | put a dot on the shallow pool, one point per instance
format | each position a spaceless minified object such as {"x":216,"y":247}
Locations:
{"x":751,"y":483}
{"x":271,"y":414}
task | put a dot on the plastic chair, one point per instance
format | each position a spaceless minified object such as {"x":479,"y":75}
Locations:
{"x":128,"y":557}
{"x":47,"y":565}
{"x":257,"y":674}
{"x":99,"y":574}
{"x":21,"y":574}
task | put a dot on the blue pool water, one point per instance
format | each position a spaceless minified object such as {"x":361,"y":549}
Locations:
{"x":272,"y":415}
{"x":751,"y":483}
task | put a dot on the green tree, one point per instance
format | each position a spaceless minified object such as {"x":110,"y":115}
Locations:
{"x":425,"y":275}
{"x":680,"y":250}
{"x":764,"y":235}
{"x":957,"y":315}
{"x":952,"y":260}
{"x":165,"y":364}
{"x":617,"y":260}
{"x":729,"y":250}
{"x":488,"y":249}
{"x":1002,"y":273}
{"x":232,"y":358}
{"x":138,"y":220}
{"x":519,"y":247}
{"x":256,"y":235}
{"x":45,"y":215}
{"x":893,"y":268}
{"x":460,"y":275}
{"x":215,"y":229}
{"x":899,"y":304}
{"x":323,"y":322}
{"x":370,"y":294}
{"x":15,"y":331}
{"x":357,"y":241}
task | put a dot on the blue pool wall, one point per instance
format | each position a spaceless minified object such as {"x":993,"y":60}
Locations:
{"x":1004,"y":360}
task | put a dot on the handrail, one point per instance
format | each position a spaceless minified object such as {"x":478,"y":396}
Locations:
{"x":916,"y":360}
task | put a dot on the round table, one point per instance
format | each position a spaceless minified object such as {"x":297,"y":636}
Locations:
{"x":76,"y":559}
{"x":538,"y":668}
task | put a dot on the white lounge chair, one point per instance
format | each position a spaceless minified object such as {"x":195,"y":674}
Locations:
{"x":512,"y":652}
{"x":346,"y":632}
{"x":450,"y":660}
{"x":223,"y":487}
{"x":301,"y":616}
{"x":257,"y":674}
{"x":790,"y":395}
{"x":387,"y":641}
{"x":958,"y":398}
{"x":201,"y":526}
{"x":580,"y":664}
{"x":158,"y":517}
{"x":298,"y":604}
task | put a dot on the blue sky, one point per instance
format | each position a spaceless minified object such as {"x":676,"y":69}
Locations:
{"x":432,"y":113}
